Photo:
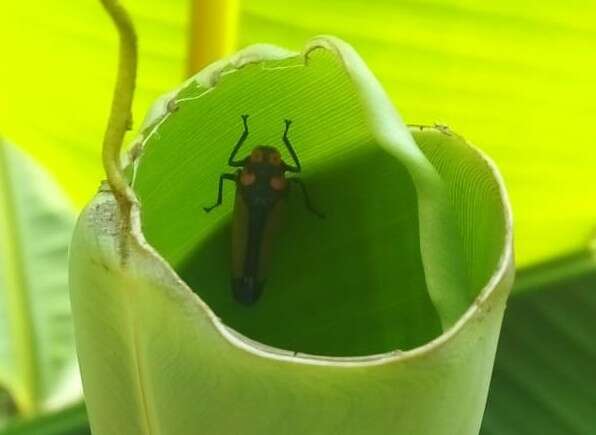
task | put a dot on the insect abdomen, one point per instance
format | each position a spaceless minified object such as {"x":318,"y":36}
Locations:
{"x":253,"y":231}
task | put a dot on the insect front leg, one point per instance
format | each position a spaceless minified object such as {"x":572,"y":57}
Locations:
{"x":307,"y":202}
{"x":230,"y":177}
{"x":231,"y":161}
{"x":286,"y":140}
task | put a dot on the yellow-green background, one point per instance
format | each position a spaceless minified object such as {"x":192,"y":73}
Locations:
{"x":517,"y":78}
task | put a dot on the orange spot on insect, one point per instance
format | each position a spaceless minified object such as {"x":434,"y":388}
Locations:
{"x":256,"y":156}
{"x":278,"y":183}
{"x":275,"y":159}
{"x":247,"y":178}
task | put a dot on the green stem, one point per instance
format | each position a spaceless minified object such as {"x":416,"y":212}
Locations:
{"x":120,"y":117}
{"x":212,"y":34}
{"x":23,"y":340}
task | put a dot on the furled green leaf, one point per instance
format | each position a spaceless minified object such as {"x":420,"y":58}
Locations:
{"x":557,"y":317}
{"x":37,"y":355}
{"x":156,"y":358}
{"x":270,"y":92}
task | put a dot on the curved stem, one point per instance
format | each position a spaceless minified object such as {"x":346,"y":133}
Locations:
{"x":120,"y":117}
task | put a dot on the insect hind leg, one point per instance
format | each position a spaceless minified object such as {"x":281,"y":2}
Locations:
{"x":290,"y":149}
{"x":306,"y":196}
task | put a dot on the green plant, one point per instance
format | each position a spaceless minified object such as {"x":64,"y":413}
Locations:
{"x":167,"y":363}
{"x":484,"y":68}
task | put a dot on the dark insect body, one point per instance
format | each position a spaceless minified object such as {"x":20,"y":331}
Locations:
{"x":261,"y":185}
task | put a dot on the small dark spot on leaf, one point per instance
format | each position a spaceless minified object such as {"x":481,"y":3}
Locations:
{"x":173,"y":106}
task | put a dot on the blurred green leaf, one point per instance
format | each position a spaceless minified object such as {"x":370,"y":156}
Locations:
{"x":37,"y":355}
{"x":69,"y":421}
{"x":57,"y":75}
{"x":544,"y":380}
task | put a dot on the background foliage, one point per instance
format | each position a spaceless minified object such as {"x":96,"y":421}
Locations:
{"x":516,"y":78}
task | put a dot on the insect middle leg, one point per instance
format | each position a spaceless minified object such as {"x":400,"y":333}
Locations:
{"x":222,"y":178}
{"x":307,"y":202}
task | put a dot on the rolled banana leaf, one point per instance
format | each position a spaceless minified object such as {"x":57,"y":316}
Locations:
{"x":381,"y":318}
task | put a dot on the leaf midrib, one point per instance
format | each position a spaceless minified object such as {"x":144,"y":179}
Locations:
{"x":20,"y":315}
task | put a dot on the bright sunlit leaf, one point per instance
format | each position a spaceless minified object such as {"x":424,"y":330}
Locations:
{"x":513,"y":76}
{"x":56,"y":78}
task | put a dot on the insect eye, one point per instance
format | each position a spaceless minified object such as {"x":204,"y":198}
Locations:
{"x":247,"y":178}
{"x":275,"y":159}
{"x":278,"y":183}
{"x":256,"y":156}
